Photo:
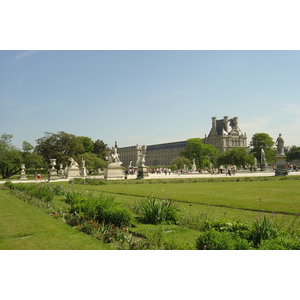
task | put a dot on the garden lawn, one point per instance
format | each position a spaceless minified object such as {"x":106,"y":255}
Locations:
{"x":23,"y":227}
{"x":282,"y":196}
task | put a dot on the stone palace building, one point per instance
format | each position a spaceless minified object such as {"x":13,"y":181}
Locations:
{"x":225,"y":134}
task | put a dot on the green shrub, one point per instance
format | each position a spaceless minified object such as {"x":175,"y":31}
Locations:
{"x":90,"y":181}
{"x":280,"y":243}
{"x":157,"y":211}
{"x":215,"y":240}
{"x":102,"y":209}
{"x":238,"y":229}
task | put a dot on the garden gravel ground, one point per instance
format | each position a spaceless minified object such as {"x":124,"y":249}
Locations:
{"x":175,"y":175}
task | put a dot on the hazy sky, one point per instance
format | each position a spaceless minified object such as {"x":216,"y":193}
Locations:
{"x":148,"y":97}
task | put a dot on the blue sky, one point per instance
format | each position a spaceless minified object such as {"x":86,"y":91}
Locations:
{"x":148,"y":97}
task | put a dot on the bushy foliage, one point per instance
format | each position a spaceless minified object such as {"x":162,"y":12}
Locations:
{"x":101,"y":208}
{"x":212,"y":239}
{"x":45,"y":192}
{"x":89,"y":181}
{"x":157,"y":211}
{"x":280,"y":243}
{"x":238,"y":229}
{"x":262,"y":234}
{"x":262,"y":229}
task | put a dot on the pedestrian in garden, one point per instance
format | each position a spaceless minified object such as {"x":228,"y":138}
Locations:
{"x":228,"y":170}
{"x":37,"y":176}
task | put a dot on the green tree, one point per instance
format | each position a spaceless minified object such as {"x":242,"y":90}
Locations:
{"x":59,"y":145}
{"x":293,"y":154}
{"x":179,"y":162}
{"x":101,"y":149}
{"x":236,"y":156}
{"x":93,"y":162}
{"x":87,"y":143}
{"x":263,"y":141}
{"x":31,"y":159}
{"x":203,"y":154}
{"x":10,"y":157}
{"x":27,"y":147}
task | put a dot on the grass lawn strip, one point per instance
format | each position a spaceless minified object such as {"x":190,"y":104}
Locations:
{"x":276,"y":196}
{"x":23,"y":227}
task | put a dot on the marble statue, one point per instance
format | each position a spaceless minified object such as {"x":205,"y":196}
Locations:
{"x":73,"y":163}
{"x":114,"y":157}
{"x":114,"y":168}
{"x":280,"y":145}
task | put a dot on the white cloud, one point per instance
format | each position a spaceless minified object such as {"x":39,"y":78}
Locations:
{"x":24,"y":54}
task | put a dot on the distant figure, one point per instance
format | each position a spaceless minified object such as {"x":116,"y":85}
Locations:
{"x":37,"y":176}
{"x":280,"y":145}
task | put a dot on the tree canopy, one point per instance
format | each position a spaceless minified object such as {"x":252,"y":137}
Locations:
{"x":293,"y":153}
{"x":179,"y":162}
{"x":263,"y":141}
{"x":204,"y":154}
{"x":236,"y":156}
{"x":10,"y":157}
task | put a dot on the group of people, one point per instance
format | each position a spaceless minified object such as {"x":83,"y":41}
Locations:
{"x":292,"y":168}
{"x":229,"y":170}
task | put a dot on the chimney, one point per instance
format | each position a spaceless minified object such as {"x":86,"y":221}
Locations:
{"x":235,"y":123}
{"x":214,"y":123}
{"x":226,"y":123}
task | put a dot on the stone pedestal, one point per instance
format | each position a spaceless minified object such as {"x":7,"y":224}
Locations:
{"x":53,"y":174}
{"x":73,"y":172}
{"x":281,"y":166}
{"x":83,"y":172}
{"x":23,"y":174}
{"x":142,"y":172}
{"x":113,"y":172}
{"x":60,"y":172}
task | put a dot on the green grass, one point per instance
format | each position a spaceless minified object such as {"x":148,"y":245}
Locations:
{"x":23,"y":227}
{"x":276,"y":196}
{"x":197,"y":201}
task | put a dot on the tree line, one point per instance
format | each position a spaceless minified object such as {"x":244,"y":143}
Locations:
{"x":205,"y":155}
{"x":62,"y":146}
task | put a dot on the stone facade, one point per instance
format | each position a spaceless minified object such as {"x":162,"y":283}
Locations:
{"x":156,"y":155}
{"x":163,"y":154}
{"x":130,"y":155}
{"x":225,"y":134}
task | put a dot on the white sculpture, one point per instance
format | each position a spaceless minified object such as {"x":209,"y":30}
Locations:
{"x":113,"y":158}
{"x":114,"y":169}
{"x":280,"y":145}
{"x":73,"y":163}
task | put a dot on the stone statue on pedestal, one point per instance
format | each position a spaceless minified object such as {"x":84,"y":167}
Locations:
{"x":73,"y":170}
{"x":142,"y":169}
{"x":114,"y":169}
{"x":280,"y":145}
{"x":280,"y":158}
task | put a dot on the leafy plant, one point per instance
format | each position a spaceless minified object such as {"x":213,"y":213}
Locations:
{"x":215,"y":240}
{"x":157,"y":211}
{"x":262,"y":229}
{"x":280,"y":243}
{"x":101,"y":208}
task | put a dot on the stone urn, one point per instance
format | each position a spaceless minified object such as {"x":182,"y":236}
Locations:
{"x":52,"y":163}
